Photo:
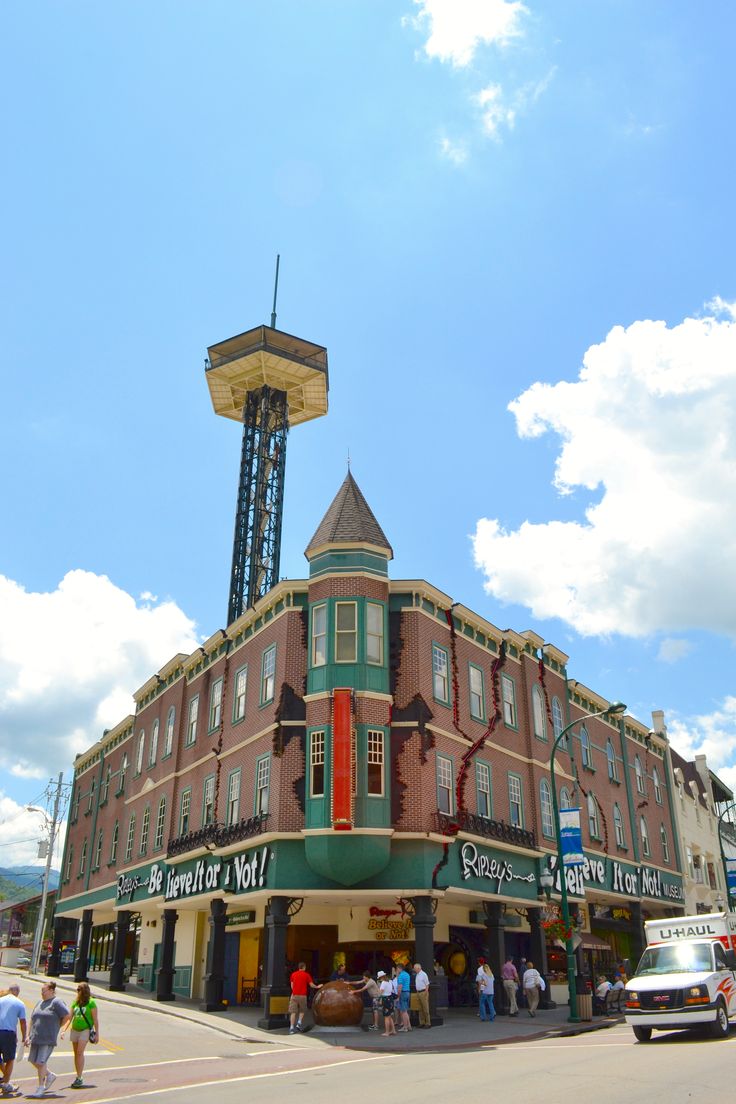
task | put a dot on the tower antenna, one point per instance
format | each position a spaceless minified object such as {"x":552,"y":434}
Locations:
{"x":275,"y":292}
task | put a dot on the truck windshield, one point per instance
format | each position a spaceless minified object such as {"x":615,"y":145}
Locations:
{"x":683,"y":958}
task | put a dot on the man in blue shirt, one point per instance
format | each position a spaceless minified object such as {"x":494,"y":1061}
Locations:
{"x":12,"y":1013}
{"x":403,"y":982}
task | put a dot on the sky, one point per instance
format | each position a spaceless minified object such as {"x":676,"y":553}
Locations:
{"x":511,"y":226}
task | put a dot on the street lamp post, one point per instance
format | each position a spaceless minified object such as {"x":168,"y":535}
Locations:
{"x":613,"y":708}
{"x":52,"y":827}
{"x":729,"y":898}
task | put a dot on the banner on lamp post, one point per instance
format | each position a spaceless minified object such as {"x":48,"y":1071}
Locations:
{"x":731,"y":873}
{"x":572,"y":843}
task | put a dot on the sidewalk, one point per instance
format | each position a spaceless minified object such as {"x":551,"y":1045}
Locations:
{"x":461,"y":1027}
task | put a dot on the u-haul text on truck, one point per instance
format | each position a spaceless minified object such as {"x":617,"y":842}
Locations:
{"x":686,"y":976}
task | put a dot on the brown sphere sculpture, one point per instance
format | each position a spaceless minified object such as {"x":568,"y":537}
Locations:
{"x":336,"y":1005}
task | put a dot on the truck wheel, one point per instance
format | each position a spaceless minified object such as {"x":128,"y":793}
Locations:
{"x":719,"y":1026}
{"x":643,"y":1034}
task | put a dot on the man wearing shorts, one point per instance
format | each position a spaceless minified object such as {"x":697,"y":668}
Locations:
{"x":403,"y":983}
{"x":12,"y":1013}
{"x":301,"y":983}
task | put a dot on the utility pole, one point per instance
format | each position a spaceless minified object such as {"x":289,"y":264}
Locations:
{"x":40,"y":923}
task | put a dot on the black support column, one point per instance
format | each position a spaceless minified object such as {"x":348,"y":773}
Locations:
{"x":81,"y":962}
{"x":214,"y":982}
{"x":54,"y":963}
{"x":275,"y":990}
{"x":496,"y":944}
{"x":638,"y":942}
{"x":424,"y":922}
{"x":165,"y":976}
{"x":117,"y":970}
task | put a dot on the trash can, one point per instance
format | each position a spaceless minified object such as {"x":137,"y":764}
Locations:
{"x":585,"y":1006}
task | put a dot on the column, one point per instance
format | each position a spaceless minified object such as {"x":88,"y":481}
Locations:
{"x":117,"y":970}
{"x":81,"y":962}
{"x":166,"y":971}
{"x":214,"y":980}
{"x":424,"y":922}
{"x":538,"y":944}
{"x":496,"y":944}
{"x":275,"y":990}
{"x":54,"y":962}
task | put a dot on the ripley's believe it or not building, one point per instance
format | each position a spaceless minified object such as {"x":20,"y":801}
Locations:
{"x":357,"y":766}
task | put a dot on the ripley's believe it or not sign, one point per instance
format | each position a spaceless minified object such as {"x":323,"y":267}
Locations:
{"x":231,"y":875}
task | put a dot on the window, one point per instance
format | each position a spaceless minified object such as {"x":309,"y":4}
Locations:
{"x":657,"y":786}
{"x":123,"y":773}
{"x":565,"y":802}
{"x":69,"y":863}
{"x":92,"y":789}
{"x":216,"y":704}
{"x":712,"y":881}
{"x":114,"y":843}
{"x":233,"y":798}
{"x":665,"y":845}
{"x":611,"y":757}
{"x":145,"y":827}
{"x":698,"y":869}
{"x":169,"y":737}
{"x":208,"y":801}
{"x":139,"y":752}
{"x":475,"y":686}
{"x":508,"y":693}
{"x":538,"y":714}
{"x":105,"y":787}
{"x":440,"y":684}
{"x":618,"y":825}
{"x":241,"y":685}
{"x":375,"y":762}
{"x":545,"y":800}
{"x":483,"y":783}
{"x":593,"y":825}
{"x":374,"y":633}
{"x":130,"y":839}
{"x":516,"y":812}
{"x":184,"y":811}
{"x":319,"y":636}
{"x":263,"y":782}
{"x":153,"y":748}
{"x":98,"y":852}
{"x":644,"y":836}
{"x":346,"y":632}
{"x":317,"y":764}
{"x":192,"y":721}
{"x":444,"y":784}
{"x":690,"y":867}
{"x":158,"y":839}
{"x":557,"y":723}
{"x":75,"y":804}
{"x":639,"y":775}
{"x":585,"y":748}
{"x":268,"y":674}
{"x":83,"y":859}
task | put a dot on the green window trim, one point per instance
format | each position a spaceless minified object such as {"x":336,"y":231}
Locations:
{"x":444,"y":773}
{"x":268,"y":675}
{"x":440,"y":671}
{"x":477,"y":692}
{"x":512,"y":776}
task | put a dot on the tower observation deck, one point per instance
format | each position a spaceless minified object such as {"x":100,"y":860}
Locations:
{"x":268,"y":380}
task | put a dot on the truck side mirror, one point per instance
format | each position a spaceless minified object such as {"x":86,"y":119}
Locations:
{"x":731,"y":960}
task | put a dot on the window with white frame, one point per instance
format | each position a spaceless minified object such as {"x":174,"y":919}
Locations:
{"x":208,"y":801}
{"x":593,"y":825}
{"x":192,"y":720}
{"x":346,"y":632}
{"x":263,"y":782}
{"x":75,"y":803}
{"x":317,"y":764}
{"x":185,"y":809}
{"x":153,"y":746}
{"x":169,"y":736}
{"x":319,"y":636}
{"x":114,"y":843}
{"x":105,"y":787}
{"x":444,"y":784}
{"x":233,"y":797}
{"x":557,"y":721}
{"x":644,"y":837}
{"x":69,"y":863}
{"x":83,"y":859}
{"x":689,"y":857}
{"x":508,"y":695}
{"x":545,"y":802}
{"x":611,"y":757}
{"x":123,"y":773}
{"x":538,"y":713}
{"x":145,"y":827}
{"x":216,"y":704}
{"x":374,"y":633}
{"x":657,"y":786}
{"x":139,"y":752}
{"x":665,"y":844}
{"x":565,"y":801}
{"x":440,"y":683}
{"x":131,"y":839}
{"x":618,"y":826}
{"x":477,"y":705}
{"x":92,"y":791}
{"x":516,"y":811}
{"x":241,"y":685}
{"x":375,"y":762}
{"x":98,"y":852}
{"x":158,"y":839}
{"x":268,"y":674}
{"x":585,"y":754}
{"x":698,"y":868}
{"x":483,"y":781}
{"x":639,"y":775}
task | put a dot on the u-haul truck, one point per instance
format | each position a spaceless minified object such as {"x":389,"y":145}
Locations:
{"x":686,"y":976}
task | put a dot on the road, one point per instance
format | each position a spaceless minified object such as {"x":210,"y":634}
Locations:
{"x":149,"y":1056}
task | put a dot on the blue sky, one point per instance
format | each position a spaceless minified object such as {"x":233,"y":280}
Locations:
{"x":511,"y":227}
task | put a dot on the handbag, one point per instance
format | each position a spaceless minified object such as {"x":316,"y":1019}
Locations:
{"x":92,"y":1032}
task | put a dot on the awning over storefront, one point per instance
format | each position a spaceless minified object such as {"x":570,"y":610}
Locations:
{"x":594,"y":943}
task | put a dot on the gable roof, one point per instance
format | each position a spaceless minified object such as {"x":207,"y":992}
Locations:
{"x":349,"y":520}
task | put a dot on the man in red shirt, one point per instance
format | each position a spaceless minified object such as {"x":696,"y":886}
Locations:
{"x":301,"y":983}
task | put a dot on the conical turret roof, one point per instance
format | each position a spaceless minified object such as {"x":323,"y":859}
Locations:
{"x":349,"y":521}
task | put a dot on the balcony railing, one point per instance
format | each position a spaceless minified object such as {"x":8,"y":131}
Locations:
{"x":484,"y":826}
{"x":218,"y":835}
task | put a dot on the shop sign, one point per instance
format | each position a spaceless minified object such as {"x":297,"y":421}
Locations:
{"x":389,"y":924}
{"x":234,"y":918}
{"x":235,"y":874}
{"x":616,"y":877}
{"x":484,"y":865}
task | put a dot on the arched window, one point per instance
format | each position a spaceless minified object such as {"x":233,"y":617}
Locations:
{"x":585,"y":747}
{"x":557,"y":723}
{"x":665,"y":845}
{"x":83,"y":859}
{"x":593,"y":825}
{"x":657,"y":786}
{"x":565,"y":802}
{"x":639,"y":775}
{"x":145,"y":825}
{"x":169,"y":736}
{"x":105,"y":787}
{"x":153,"y":747}
{"x":114,"y":843}
{"x":158,"y":840}
{"x":644,"y":837}
{"x":545,"y":800}
{"x":98,"y":852}
{"x":139,"y":752}
{"x":538,"y":711}
{"x":611,"y":757}
{"x":618,"y":824}
{"x":69,"y":861}
{"x":130,"y":839}
{"x":123,"y":772}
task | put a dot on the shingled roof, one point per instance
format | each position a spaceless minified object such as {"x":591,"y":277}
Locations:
{"x":349,"y":520}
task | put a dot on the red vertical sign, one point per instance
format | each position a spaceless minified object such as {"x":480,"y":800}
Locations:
{"x":342,"y":742}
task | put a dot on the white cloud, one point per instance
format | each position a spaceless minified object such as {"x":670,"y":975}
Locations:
{"x":710,"y":734}
{"x":456,"y":28}
{"x":721,"y":306}
{"x":455,"y":152}
{"x":494,"y":111}
{"x":671,"y":649}
{"x":69,"y":661}
{"x":649,"y":423}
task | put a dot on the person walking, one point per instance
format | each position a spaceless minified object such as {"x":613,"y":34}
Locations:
{"x":386,"y":986}
{"x":533,"y":984}
{"x":510,"y":979}
{"x":49,"y":1015}
{"x":485,"y":984}
{"x":370,"y":987}
{"x":85,"y":1028}
{"x":421,"y":985}
{"x":301,"y":982}
{"x":12,"y":1013}
{"x":403,"y":985}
